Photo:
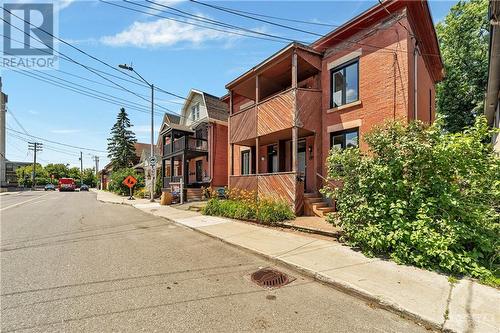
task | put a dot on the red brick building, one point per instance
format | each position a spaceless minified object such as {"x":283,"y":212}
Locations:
{"x":287,"y":112}
{"x":195,"y":147}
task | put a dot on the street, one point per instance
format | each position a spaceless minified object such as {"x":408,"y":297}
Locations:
{"x":70,"y":263}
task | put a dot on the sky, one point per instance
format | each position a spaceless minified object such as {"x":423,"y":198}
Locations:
{"x":172,"y":55}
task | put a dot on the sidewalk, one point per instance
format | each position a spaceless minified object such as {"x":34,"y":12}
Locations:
{"x":424,"y":296}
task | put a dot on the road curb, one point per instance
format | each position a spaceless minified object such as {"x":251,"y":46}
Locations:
{"x":340,"y":285}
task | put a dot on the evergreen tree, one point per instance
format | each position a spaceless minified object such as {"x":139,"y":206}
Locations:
{"x":121,"y":148}
{"x":463,"y":38}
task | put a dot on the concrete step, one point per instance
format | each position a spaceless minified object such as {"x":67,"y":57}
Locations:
{"x":319,"y":204}
{"x":313,"y":200}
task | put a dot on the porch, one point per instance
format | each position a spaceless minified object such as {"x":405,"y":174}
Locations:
{"x":275,"y":126}
{"x":185,"y":156}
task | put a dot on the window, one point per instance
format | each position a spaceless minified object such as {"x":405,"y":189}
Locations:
{"x":195,"y":112}
{"x":344,"y":82}
{"x":345,"y":139}
{"x":245,"y":162}
{"x":272,"y":158}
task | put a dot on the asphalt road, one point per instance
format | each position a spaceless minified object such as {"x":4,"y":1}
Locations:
{"x":70,"y":263}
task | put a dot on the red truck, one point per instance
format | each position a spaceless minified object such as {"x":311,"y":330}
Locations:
{"x":67,"y":184}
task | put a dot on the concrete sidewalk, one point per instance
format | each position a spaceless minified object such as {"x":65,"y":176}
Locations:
{"x":424,"y":296}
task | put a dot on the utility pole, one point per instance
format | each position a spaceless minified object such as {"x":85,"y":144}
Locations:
{"x":96,"y":160}
{"x":35,"y":147}
{"x":81,"y":169}
{"x":152,"y":167}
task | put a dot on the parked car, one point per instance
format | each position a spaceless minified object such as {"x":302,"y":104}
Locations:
{"x":67,"y":184}
{"x":84,"y":188}
{"x":50,"y":187}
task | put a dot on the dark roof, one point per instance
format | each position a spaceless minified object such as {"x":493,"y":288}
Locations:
{"x":172,"y":118}
{"x":181,"y":128}
{"x":216,"y":108}
{"x":139,"y":147}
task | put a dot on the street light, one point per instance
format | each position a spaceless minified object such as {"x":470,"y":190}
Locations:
{"x":153,"y":173}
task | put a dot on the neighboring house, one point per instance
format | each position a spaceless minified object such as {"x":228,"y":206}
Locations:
{"x":195,"y":148}
{"x":141,"y":151}
{"x":11,"y":179}
{"x":287,"y":112}
{"x":492,"y":103}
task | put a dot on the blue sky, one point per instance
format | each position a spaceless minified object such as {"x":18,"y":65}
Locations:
{"x":172,"y":55}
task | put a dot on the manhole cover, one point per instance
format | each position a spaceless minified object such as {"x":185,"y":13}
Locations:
{"x":270,"y":278}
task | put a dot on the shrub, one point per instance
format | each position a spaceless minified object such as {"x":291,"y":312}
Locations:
{"x":249,"y":207}
{"x":423,"y":197}
{"x":116,"y":184}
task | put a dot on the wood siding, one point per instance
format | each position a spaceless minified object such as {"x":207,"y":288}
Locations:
{"x":276,"y":113}
{"x":243,"y":125}
{"x":282,"y":185}
{"x":309,"y":109}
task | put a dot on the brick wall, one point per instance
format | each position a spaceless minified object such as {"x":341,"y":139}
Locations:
{"x":220,"y":155}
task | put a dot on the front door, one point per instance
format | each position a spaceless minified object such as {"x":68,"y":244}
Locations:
{"x":199,"y":171}
{"x":301,"y":156}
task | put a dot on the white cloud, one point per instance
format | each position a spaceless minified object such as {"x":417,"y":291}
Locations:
{"x":65,"y":131}
{"x":163,"y":32}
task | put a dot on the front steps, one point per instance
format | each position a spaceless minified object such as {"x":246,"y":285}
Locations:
{"x":315,"y":205}
{"x":193,"y":194}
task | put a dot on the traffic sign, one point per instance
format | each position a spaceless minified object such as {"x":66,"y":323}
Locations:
{"x":152,"y":160}
{"x":130,"y":181}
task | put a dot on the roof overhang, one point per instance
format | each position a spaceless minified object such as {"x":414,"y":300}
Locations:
{"x":276,"y":57}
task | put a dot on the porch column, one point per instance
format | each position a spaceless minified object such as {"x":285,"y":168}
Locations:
{"x":231,"y":159}
{"x":295,"y":130}
{"x":171,"y":168}
{"x":295,"y":160}
{"x":257,"y":93}
{"x":257,"y":155}
{"x":231,"y":145}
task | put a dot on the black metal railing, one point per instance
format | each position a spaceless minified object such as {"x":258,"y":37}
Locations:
{"x":197,"y":144}
{"x":183,"y":143}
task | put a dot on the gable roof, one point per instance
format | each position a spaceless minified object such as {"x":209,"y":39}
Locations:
{"x":216,"y":108}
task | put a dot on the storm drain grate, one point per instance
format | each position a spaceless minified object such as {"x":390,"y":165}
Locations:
{"x":270,"y":278}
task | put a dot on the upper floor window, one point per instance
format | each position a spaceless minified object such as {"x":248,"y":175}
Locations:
{"x":195,"y":112}
{"x":344,"y":82}
{"x":345,"y":139}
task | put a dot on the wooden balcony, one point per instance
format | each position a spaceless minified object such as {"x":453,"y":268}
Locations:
{"x":276,"y":113}
{"x":185,"y":143}
{"x":286,"y":186}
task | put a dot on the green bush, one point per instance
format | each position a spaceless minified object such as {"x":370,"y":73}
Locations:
{"x":116,"y":184}
{"x":262,"y":210}
{"x":423,"y":197}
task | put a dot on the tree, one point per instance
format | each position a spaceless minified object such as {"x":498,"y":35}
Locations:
{"x":89,"y":177}
{"x":121,"y":148}
{"x":58,"y":170}
{"x":422,"y":196}
{"x":24,"y":175}
{"x":463,"y":38}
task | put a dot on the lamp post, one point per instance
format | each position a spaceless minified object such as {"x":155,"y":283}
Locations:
{"x":153,"y":173}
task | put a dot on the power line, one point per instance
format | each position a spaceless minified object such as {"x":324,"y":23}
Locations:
{"x":84,"y":66}
{"x":78,"y":91}
{"x":255,"y":18}
{"x":278,"y":38}
{"x":58,"y":143}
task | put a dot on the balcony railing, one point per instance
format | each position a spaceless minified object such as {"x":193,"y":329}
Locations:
{"x":183,"y":143}
{"x":275,"y":113}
